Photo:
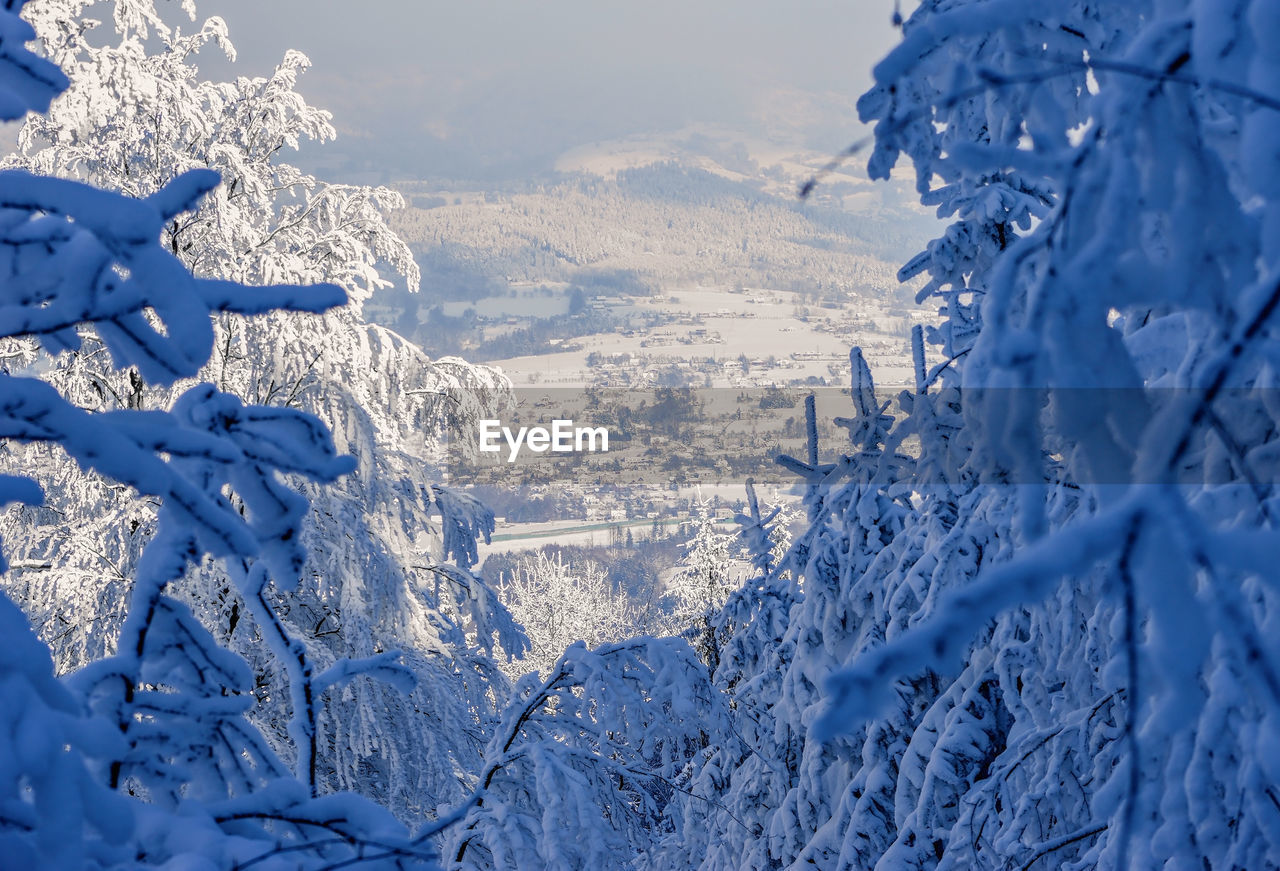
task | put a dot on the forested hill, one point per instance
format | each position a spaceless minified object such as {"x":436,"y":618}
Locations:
{"x":663,"y":223}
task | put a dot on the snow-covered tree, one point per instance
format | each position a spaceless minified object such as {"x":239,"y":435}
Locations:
{"x":701,"y":583}
{"x":585,"y":759}
{"x":558,"y":603}
{"x":144,"y":759}
{"x":1034,"y":626}
{"x":389,"y":550}
{"x":765,"y":535}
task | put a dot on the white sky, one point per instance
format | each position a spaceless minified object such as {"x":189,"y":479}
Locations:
{"x":500,"y":87}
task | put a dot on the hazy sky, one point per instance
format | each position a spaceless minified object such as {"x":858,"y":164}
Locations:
{"x":500,"y":87}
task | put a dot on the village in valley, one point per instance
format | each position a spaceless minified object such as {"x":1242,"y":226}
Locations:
{"x":679,"y":273}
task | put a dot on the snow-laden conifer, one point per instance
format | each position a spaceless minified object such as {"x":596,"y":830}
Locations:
{"x":1034,"y":622}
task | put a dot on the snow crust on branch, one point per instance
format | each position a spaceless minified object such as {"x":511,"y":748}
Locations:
{"x":988,"y":659}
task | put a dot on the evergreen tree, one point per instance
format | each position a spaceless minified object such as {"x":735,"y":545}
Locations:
{"x":1031,"y":621}
{"x":701,"y":583}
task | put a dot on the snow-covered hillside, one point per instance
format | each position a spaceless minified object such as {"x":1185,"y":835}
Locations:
{"x":683,"y":219}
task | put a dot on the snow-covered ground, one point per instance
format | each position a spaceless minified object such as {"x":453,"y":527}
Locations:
{"x":725,"y":326}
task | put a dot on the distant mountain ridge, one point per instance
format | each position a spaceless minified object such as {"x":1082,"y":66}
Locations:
{"x":696,"y":209}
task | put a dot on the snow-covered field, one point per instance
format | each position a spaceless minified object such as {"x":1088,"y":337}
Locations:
{"x":725,"y":326}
